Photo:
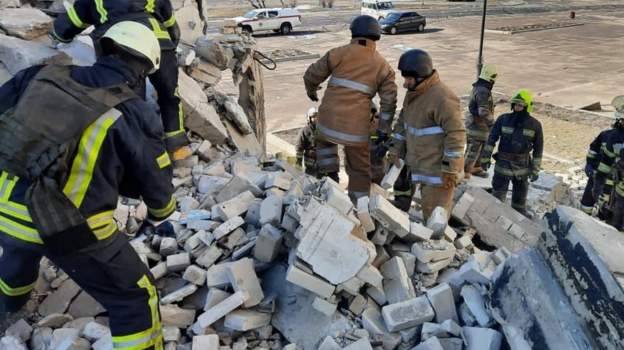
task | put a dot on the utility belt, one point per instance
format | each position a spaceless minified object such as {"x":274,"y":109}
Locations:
{"x":523,"y":158}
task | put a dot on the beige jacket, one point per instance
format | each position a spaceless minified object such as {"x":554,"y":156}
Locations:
{"x":430,"y":132}
{"x":358,"y":72}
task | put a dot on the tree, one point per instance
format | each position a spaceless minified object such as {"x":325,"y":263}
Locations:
{"x":258,"y":4}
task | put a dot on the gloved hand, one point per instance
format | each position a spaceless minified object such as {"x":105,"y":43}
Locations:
{"x":533,"y":177}
{"x":485,"y":166}
{"x":393,"y":157}
{"x":449,"y":180}
{"x":604,"y":212}
{"x":163,"y":228}
{"x":589,"y":170}
{"x":313,"y":94}
{"x":382,"y":137}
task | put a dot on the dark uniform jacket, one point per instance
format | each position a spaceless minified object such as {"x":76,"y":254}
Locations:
{"x":610,"y":154}
{"x":481,"y":110}
{"x":306,"y":148}
{"x":116,"y":155}
{"x":521,"y":145}
{"x":155,"y":14}
{"x":593,"y":154}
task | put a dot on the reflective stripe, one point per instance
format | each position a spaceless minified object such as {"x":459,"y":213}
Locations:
{"x":17,"y":291}
{"x":88,"y":151}
{"x":341,"y":135}
{"x":477,"y":133}
{"x":402,"y":193}
{"x":73,"y":17}
{"x":609,"y":182}
{"x":19,"y":231}
{"x":431,"y":180}
{"x":587,"y":209}
{"x":453,"y":154}
{"x":606,"y":150}
{"x":330,"y":151}
{"x":180,"y":119}
{"x":386,"y":115}
{"x":353,"y":85}
{"x":512,"y":173}
{"x":528,"y":132}
{"x":15,"y":210}
{"x":150,"y":337}
{"x":4,"y":184}
{"x":603,"y":168}
{"x":102,"y":224}
{"x":488,"y":148}
{"x":163,"y":160}
{"x":170,"y":22}
{"x":160,"y":34}
{"x":592,"y":154}
{"x":434,"y":130}
{"x":99,"y":5}
{"x":327,"y":161}
{"x":398,"y":137}
{"x":164,"y":212}
{"x":150,"y":5}
{"x":507,"y":130}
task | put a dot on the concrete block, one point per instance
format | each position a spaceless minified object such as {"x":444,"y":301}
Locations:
{"x":500,"y":255}
{"x":21,"y":330}
{"x":450,"y":234}
{"x":172,"y":315}
{"x":437,"y":222}
{"x":358,"y":304}
{"x":452,"y":328}
{"x":452,"y":343}
{"x":235,"y":187}
{"x":278,"y":180}
{"x":206,"y":342}
{"x":433,"y":266}
{"x":271,"y":211}
{"x":362,"y":344}
{"x":94,"y":331}
{"x":463,"y":204}
{"x":407,"y":314}
{"x":430,"y":330}
{"x":178,"y":262}
{"x":410,"y":262}
{"x":235,"y":206}
{"x":443,"y":302}
{"x":392,"y":175}
{"x":482,"y":338}
{"x":351,"y":286}
{"x":389,"y":216}
{"x":397,"y":285}
{"x":171,"y":334}
{"x":373,"y":322}
{"x":40,"y":340}
{"x":433,"y":251}
{"x":381,"y":257}
{"x":268,"y":243}
{"x":378,"y":295}
{"x":58,"y":301}
{"x":179,"y":294}
{"x":222,"y":309}
{"x":209,"y":185}
{"x":168,"y":246}
{"x":363,"y":214}
{"x":419,"y":232}
{"x":63,"y":338}
{"x":195,"y":275}
{"x":54,"y":321}
{"x":371,"y":275}
{"x":309,"y":282}
{"x":209,"y":257}
{"x":409,"y":335}
{"x":232,"y":240}
{"x":18,"y":54}
{"x":12,"y":343}
{"x":227,"y":227}
{"x":464,"y":242}
{"x":476,"y":304}
{"x":243,"y":278}
{"x":335,"y":196}
{"x":214,"y":297}
{"x":245,"y":320}
{"x":329,"y":344}
{"x":323,"y":306}
{"x":430,"y":344}
{"x":217,"y":275}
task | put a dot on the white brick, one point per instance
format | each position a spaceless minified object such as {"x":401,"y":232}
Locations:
{"x":227,"y":227}
{"x":362,"y":344}
{"x":433,"y":251}
{"x":433,"y":266}
{"x":178,"y":262}
{"x":309,"y":282}
{"x":243,"y":278}
{"x":351,"y":286}
{"x":476,"y":304}
{"x":220,"y":310}
{"x":329,"y":344}
{"x":390,"y":216}
{"x":419,"y":232}
{"x":430,"y":344}
{"x":452,"y":343}
{"x":235,"y":206}
{"x":392,"y":175}
{"x":450,"y":234}
{"x":206,"y":342}
{"x":179,"y":294}
{"x":378,"y":295}
{"x":438,"y":222}
{"x":268,"y":243}
{"x":397,"y":285}
{"x":358,"y":304}
{"x":323,"y":306}
{"x":363,"y":214}
{"x":373,"y":322}
{"x":482,"y":338}
{"x":334,"y":196}
{"x":464,"y":242}
{"x":371,"y":275}
{"x":278,"y":180}
{"x":217,"y":275}
{"x":443,"y":302}
{"x":210,"y":256}
{"x":245,"y":320}
{"x":451,"y":327}
{"x":430,"y":330}
{"x":168,"y":246}
{"x":271,"y":211}
{"x":410,"y":262}
{"x":407,"y":314}
{"x":195,"y":275}
{"x":172,"y":315}
{"x":214,"y":297}
{"x":171,"y":334}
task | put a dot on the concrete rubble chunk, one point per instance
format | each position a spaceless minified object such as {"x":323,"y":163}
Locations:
{"x":59,"y":301}
{"x":438,"y":222}
{"x":244,"y":279}
{"x":217,"y":275}
{"x":245,"y":320}
{"x":236,"y":186}
{"x":389,"y":216}
{"x":358,"y":304}
{"x":329,"y":344}
{"x":371,"y":275}
{"x":221,"y":309}
{"x":235,"y":206}
{"x":482,"y":338}
{"x":268,"y":243}
{"x":12,"y":343}
{"x":179,"y":294}
{"x":20,"y":329}
{"x":206,"y":73}
{"x":195,"y":275}
{"x":271,"y":211}
{"x":209,"y":257}
{"x":171,"y":334}
{"x":407,"y":314}
{"x":476,"y":304}
{"x":452,"y":343}
{"x":41,"y":339}
{"x":397,"y":285}
{"x":362,"y":344}
{"x":433,"y":251}
{"x":430,"y":330}
{"x":228,"y":227}
{"x":190,"y":23}
{"x":214,"y":297}
{"x":363,"y":214}
{"x":324,"y":306}
{"x":168,"y":246}
{"x":410,"y":262}
{"x":236,"y":114}
{"x":25,"y":23}
{"x":430,"y":344}
{"x":206,"y":342}
{"x":309,"y":282}
{"x":334,"y":196}
{"x":392,"y":175}
{"x":178,"y":262}
{"x":212,"y":51}
{"x":63,"y":338}
{"x":443,"y":302}
{"x":54,"y":320}
{"x":18,"y":54}
{"x":373,"y":322}
{"x":419,"y":232}
{"x":85,"y":306}
{"x":94,"y":331}
{"x":174,"y":316}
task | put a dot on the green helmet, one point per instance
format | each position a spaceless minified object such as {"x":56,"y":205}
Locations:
{"x":524,"y":97}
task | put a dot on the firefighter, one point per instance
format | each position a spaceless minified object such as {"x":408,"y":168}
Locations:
{"x":358,"y":73}
{"x":306,"y":151}
{"x":479,"y":119}
{"x":606,"y":186}
{"x":588,"y":201}
{"x":61,"y":177}
{"x":157,"y":15}
{"x":376,"y":148}
{"x":430,"y":133}
{"x":520,"y":149}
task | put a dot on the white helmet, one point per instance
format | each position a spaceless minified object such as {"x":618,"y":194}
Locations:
{"x":489,"y":73}
{"x":313,"y":111}
{"x":136,"y":39}
{"x":618,"y":104}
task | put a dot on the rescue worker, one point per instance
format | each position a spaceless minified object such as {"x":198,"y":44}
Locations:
{"x":430,"y":133}
{"x":604,"y":179}
{"x":588,"y":201}
{"x":617,"y":206}
{"x":520,"y":149}
{"x":377,"y":155}
{"x":479,"y":119}
{"x":306,"y":151}
{"x":61,"y":177}
{"x":358,"y":72}
{"x":155,"y":14}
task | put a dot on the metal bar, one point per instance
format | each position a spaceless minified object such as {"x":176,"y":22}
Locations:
{"x":480,"y":60}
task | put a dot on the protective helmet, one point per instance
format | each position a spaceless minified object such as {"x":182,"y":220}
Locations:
{"x":311,"y":113}
{"x":525,"y":97}
{"x":365,"y":27}
{"x":137,"y":40}
{"x":489,"y":73}
{"x":416,"y":63}
{"x":618,"y":104}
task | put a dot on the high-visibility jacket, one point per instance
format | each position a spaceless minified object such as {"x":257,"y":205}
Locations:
{"x":102,"y":14}
{"x":356,"y":72}
{"x":520,"y":148}
{"x":610,"y":154}
{"x":120,"y":153}
{"x":593,"y":153}
{"x":480,"y":117}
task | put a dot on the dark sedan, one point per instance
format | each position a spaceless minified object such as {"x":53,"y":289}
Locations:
{"x":398,"y":22}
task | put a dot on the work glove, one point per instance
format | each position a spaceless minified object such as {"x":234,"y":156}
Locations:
{"x":313,"y":94}
{"x":162,"y":228}
{"x":449,"y":180}
{"x":485,"y":166}
{"x":175,"y":34}
{"x":533,"y":177}
{"x":589,"y":170}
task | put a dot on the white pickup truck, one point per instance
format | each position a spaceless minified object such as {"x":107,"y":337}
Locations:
{"x":281,"y":20}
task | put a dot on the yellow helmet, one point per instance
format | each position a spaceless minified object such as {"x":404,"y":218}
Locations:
{"x":137,"y":39}
{"x":489,"y":73}
{"x":618,"y":104}
{"x":525,"y":97}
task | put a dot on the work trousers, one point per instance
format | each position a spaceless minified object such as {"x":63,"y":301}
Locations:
{"x":436,"y":196}
{"x":112,"y":274}
{"x":588,"y":201}
{"x":473,"y":153}
{"x":357,"y":165}
{"x":404,"y":190}
{"x":378,"y":165}
{"x":500,"y":186}
{"x":617,"y":217}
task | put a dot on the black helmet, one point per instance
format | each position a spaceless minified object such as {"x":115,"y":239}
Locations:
{"x":619,"y":124}
{"x":416,"y":63}
{"x":365,"y":27}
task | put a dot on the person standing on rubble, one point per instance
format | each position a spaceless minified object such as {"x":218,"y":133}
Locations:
{"x":73,"y":140}
{"x":358,"y":72}
{"x":519,"y":156}
{"x":430,"y":133}
{"x":479,"y":120}
{"x":156,"y":15}
{"x":608,"y":188}
{"x":306,"y":151}
{"x":588,"y":201}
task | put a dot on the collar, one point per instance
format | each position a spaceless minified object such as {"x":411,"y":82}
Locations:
{"x":425,"y":85}
{"x":370,"y":44}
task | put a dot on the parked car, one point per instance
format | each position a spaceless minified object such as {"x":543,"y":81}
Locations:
{"x":398,"y":22}
{"x":281,"y":20}
{"x":378,"y":9}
